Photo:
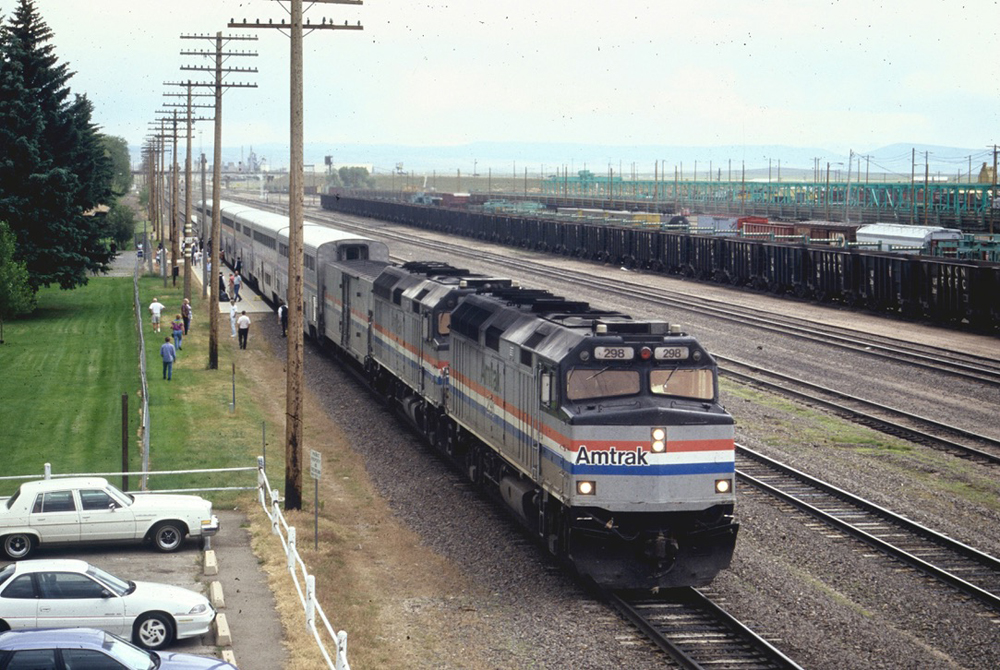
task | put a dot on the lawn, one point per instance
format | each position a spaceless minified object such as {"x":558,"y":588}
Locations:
{"x":63,"y":371}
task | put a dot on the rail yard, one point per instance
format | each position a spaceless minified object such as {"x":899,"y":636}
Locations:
{"x":944,"y":378}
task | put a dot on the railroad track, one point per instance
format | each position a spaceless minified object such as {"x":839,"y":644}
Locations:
{"x":896,"y":422}
{"x":697,"y":633}
{"x":971,"y":571}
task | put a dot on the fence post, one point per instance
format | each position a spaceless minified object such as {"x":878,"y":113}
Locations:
{"x":292,"y":550}
{"x":48,"y":471}
{"x":341,"y":661}
{"x":275,"y":512}
{"x":311,"y":602}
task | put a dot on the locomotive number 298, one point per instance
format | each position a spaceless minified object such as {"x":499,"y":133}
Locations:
{"x":614,"y":353}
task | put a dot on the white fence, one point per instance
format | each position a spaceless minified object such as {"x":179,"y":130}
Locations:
{"x":300,"y":575}
{"x":305,"y":584}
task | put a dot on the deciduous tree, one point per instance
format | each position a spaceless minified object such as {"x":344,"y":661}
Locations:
{"x":16,"y":296}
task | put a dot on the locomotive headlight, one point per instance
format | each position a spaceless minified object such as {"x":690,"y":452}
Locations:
{"x":659,"y":436}
{"x":586,"y":488}
{"x":723,"y":485}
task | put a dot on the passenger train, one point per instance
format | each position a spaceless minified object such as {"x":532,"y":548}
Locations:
{"x":603,"y":433}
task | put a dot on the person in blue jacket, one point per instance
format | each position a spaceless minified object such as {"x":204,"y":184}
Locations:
{"x":169,"y":355}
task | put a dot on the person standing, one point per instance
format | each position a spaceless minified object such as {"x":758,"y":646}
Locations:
{"x":243,"y":323}
{"x":237,"y":285}
{"x":233,"y":314}
{"x":169,"y":355}
{"x":283,"y":317}
{"x":186,"y":314}
{"x":177,"y":330}
{"x":222,"y":289}
{"x":232,"y":290}
{"x":154,"y":309}
{"x":239,"y":265}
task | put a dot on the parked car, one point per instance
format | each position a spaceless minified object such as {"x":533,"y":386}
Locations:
{"x":89,"y":510}
{"x":90,"y":649}
{"x":66,"y":593}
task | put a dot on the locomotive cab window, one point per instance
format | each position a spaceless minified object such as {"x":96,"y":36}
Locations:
{"x":696,"y":384}
{"x":444,"y":323}
{"x":590,"y":383}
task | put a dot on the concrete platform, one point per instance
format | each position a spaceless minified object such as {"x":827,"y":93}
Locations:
{"x":251,"y":302}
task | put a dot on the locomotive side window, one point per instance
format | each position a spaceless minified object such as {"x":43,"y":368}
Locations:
{"x":697,"y":384}
{"x":444,"y":323}
{"x":584,"y":384}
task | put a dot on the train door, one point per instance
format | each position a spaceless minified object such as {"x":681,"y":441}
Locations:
{"x":526,"y":417}
{"x":344,"y":317}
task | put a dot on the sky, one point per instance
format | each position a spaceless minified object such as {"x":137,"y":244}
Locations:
{"x":838,"y":75}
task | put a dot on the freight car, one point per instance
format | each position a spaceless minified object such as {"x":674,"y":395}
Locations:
{"x":913,"y":286}
{"x":602,"y":433}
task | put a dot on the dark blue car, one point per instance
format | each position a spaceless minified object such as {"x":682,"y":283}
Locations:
{"x":90,"y":649}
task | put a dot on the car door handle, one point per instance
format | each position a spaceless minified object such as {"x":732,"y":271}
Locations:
{"x":44,"y":609}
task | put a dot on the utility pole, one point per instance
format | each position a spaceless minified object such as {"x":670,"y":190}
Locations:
{"x":190,"y":119}
{"x":296,"y":348}
{"x":218,"y":85}
{"x":994,"y":200}
{"x":205,"y":278}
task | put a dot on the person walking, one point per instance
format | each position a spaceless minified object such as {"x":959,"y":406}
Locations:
{"x":154,"y":309}
{"x":283,"y":317}
{"x":233,"y":314}
{"x":237,"y":285}
{"x":177,"y":330}
{"x":169,"y":355}
{"x":243,"y":323}
{"x":186,"y":315}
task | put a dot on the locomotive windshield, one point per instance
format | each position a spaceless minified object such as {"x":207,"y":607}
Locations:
{"x":697,"y":384}
{"x":594,"y":383}
{"x":601,"y":383}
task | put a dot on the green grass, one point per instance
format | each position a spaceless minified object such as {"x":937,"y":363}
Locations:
{"x":64,"y":369}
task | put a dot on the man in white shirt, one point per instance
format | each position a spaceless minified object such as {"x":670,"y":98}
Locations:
{"x":155,"y":308}
{"x":243,"y":324}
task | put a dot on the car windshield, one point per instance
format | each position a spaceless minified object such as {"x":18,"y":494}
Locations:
{"x":127,"y":498}
{"x":6,"y":573}
{"x":129,"y":655}
{"x":120,"y":587}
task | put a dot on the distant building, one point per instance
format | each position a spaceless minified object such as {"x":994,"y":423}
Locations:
{"x":986,"y":174}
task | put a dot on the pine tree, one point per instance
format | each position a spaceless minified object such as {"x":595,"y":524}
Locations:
{"x":52,"y":165}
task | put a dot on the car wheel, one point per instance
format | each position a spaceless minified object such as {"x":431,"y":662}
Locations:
{"x":153,"y":631}
{"x":18,"y":546}
{"x":168,"y":537}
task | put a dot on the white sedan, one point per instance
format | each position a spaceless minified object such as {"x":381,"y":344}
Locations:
{"x":64,"y":593}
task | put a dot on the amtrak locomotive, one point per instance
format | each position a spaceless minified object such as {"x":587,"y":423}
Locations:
{"x":604,"y":434}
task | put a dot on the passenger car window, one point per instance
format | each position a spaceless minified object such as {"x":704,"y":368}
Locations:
{"x":33,"y":659}
{"x":95,"y":499}
{"x":66,"y":585}
{"x":20,"y":588}
{"x":88,"y":659}
{"x":55,"y":501}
